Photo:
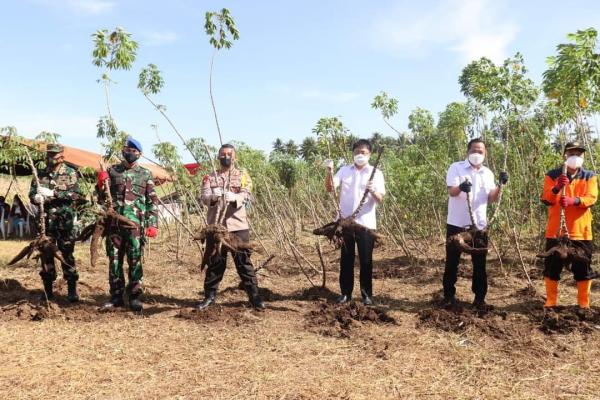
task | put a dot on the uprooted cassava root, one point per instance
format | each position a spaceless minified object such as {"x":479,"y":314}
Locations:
{"x":335,"y":231}
{"x":106,"y":220}
{"x":566,"y":253}
{"x":215,"y":236}
{"x":470,"y":242}
{"x":42,"y":247}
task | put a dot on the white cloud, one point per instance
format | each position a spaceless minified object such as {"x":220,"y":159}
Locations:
{"x":159,"y":38}
{"x":471,"y":28}
{"x":315,"y":94}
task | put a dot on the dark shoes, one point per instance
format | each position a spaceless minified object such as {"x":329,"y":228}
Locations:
{"x":343,"y":299}
{"x":257,"y":303}
{"x":209,"y":300}
{"x":115,"y":302}
{"x":72,"y":295}
{"x":135,"y":304}
{"x":448,"y":302}
{"x":367,"y":300}
{"x":480,"y":305}
{"x":48,"y":293}
{"x":254,"y":298}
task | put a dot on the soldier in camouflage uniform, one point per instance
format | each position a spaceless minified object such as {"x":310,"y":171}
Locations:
{"x":132,"y":191}
{"x":231,"y":188}
{"x":58,"y":190}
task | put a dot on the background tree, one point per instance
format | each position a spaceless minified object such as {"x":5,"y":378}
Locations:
{"x":221,"y":29}
{"x":114,"y":50}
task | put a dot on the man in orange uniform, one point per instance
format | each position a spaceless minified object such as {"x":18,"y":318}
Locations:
{"x":581,"y":192}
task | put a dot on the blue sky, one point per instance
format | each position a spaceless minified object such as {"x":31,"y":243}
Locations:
{"x":294,"y":63}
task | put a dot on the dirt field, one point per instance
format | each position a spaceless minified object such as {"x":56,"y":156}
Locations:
{"x":302,"y":347}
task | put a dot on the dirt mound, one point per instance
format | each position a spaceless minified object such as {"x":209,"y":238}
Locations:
{"x":11,"y":290}
{"x":458,"y":319}
{"x":314,"y":293}
{"x":567,"y":320}
{"x":338,"y":320}
{"x":24,"y":310}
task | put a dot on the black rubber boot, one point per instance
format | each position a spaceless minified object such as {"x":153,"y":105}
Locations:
{"x":210,"y":296}
{"x":48,"y":290}
{"x":255,"y":300}
{"x":135,"y":304}
{"x":72,"y":295}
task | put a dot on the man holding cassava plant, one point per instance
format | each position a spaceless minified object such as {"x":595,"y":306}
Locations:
{"x":471,"y":187}
{"x":354,"y":180}
{"x":58,"y":189}
{"x":131,"y":193}
{"x":569,"y":192}
{"x":226,"y":192}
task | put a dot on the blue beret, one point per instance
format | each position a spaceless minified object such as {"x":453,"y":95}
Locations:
{"x":134,"y":144}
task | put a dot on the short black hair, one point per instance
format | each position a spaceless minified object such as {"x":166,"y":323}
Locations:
{"x":473,"y":141}
{"x":362,"y":142}
{"x":227,"y":146}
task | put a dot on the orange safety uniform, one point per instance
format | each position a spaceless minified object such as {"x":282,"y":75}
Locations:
{"x":578,"y":218}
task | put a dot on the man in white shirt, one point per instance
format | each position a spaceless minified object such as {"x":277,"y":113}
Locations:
{"x":469,"y":176}
{"x":353,"y":180}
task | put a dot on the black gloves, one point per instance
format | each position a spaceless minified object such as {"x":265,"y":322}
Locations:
{"x":503,"y":178}
{"x":465,"y":187}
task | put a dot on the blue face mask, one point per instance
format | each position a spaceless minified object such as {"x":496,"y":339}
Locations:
{"x":130,"y":157}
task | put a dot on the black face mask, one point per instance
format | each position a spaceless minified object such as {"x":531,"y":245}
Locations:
{"x":225,"y":161}
{"x":130,"y":157}
{"x":52,"y":162}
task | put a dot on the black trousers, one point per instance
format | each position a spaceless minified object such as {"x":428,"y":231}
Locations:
{"x":479,"y":284}
{"x":243,"y":265}
{"x":364,"y":241}
{"x":582,"y":271}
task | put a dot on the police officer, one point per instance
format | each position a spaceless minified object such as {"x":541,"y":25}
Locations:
{"x":231,"y":188}
{"x":133,"y":195}
{"x":58,"y":190}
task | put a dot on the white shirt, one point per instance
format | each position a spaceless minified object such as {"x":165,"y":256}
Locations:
{"x":353,"y":182}
{"x":483,"y":183}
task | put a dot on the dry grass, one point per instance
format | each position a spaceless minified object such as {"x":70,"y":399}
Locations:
{"x":234,"y":352}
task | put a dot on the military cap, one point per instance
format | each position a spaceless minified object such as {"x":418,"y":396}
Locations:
{"x":54,"y":148}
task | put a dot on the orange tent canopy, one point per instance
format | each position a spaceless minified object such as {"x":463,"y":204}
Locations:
{"x":79,"y":158}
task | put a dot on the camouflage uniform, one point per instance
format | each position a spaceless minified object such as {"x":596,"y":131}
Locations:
{"x":133,"y":195}
{"x":60,"y":217}
{"x":236,"y":222}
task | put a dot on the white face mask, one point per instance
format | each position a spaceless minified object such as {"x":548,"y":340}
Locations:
{"x":574,"y":162}
{"x":476,"y":158}
{"x":361,"y":159}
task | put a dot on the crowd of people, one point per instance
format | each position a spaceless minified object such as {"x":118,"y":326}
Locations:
{"x":127,"y":189}
{"x":14,"y":218}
